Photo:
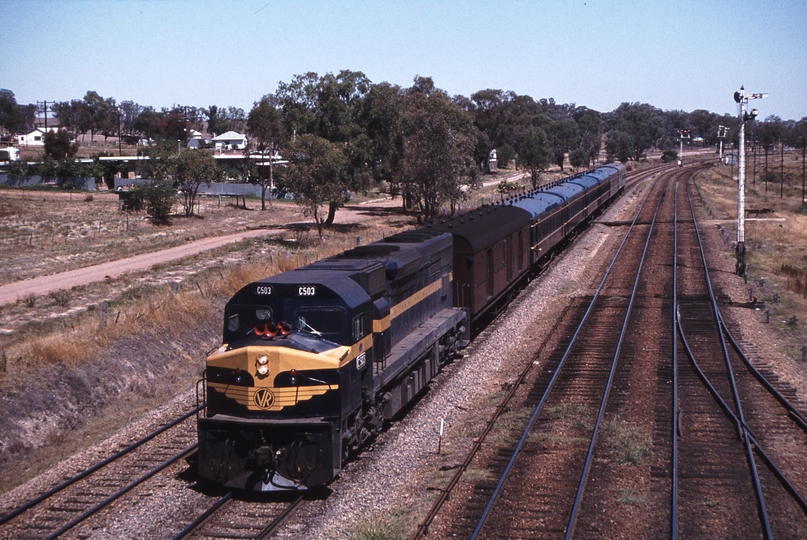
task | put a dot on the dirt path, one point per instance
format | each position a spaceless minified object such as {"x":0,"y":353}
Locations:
{"x":44,"y":285}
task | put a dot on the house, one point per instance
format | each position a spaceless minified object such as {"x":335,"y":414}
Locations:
{"x":230,"y":141}
{"x":36,"y":137}
{"x":195,"y":140}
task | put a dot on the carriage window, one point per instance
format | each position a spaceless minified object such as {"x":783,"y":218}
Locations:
{"x":263,"y":314}
{"x":320,"y":320}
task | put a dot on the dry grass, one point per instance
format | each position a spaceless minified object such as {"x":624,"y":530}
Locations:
{"x":156,"y":309}
{"x":43,"y":233}
{"x":776,"y":242}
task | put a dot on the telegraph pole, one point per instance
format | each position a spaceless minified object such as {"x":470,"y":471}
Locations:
{"x":742,"y":99}
{"x":45,"y":109}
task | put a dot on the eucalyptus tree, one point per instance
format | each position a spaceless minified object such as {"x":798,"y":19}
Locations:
{"x":379,"y":116}
{"x":314,"y":163}
{"x":191,"y":169}
{"x":589,"y":122}
{"x":70,"y":115}
{"x":108,"y":118}
{"x":619,"y":146}
{"x":129,"y":111}
{"x":15,"y":118}
{"x":221,"y":120}
{"x":489,"y":109}
{"x":563,"y":135}
{"x":146,"y":122}
{"x":642,"y":122}
{"x":798,"y":138}
{"x":58,"y":145}
{"x":93,"y":114}
{"x":439,"y":141}
{"x":329,"y":107}
{"x":265,"y":125}
{"x":533,"y":153}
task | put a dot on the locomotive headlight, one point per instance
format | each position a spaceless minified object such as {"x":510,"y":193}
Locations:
{"x":263,"y":370}
{"x":263,"y":360}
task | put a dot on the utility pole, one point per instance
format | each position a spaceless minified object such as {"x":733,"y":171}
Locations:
{"x":721,"y":134}
{"x":45,"y":109}
{"x":742,"y":99}
{"x":120,"y":143}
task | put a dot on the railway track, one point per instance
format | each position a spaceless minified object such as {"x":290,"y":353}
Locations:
{"x":251,"y":517}
{"x":768,"y":432}
{"x":77,"y":499}
{"x":573,"y":315}
{"x":693,"y":463}
{"x":570,"y":416}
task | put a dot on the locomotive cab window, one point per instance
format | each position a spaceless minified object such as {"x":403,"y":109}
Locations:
{"x":244,"y":318}
{"x":320,"y":320}
{"x":358,"y":327}
{"x":232,"y":322}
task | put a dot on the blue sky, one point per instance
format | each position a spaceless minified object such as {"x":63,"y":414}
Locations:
{"x":683,"y":55}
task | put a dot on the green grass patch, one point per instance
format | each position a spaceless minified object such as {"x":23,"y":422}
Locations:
{"x":630,"y":497}
{"x":379,"y":531}
{"x":628,"y":443}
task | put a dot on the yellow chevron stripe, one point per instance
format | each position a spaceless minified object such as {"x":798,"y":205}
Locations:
{"x":281,"y":397}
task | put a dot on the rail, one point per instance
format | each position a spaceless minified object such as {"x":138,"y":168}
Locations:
{"x":553,"y":380}
{"x":44,"y":496}
{"x":590,"y":455}
{"x":735,"y":393}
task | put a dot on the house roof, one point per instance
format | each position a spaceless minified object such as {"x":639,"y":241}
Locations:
{"x":229,"y":136}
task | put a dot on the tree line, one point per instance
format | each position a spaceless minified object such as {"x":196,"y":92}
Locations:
{"x":342,"y":133}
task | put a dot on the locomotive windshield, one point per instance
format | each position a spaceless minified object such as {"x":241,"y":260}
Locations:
{"x":320,"y":320}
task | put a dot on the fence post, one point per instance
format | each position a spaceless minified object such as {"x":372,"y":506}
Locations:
{"x":104,"y":309}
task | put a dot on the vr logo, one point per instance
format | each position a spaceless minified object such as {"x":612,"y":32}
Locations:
{"x":264,"y":398}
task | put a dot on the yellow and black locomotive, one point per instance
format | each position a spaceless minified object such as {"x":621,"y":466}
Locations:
{"x":315,"y":360}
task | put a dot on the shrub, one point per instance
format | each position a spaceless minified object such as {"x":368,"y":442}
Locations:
{"x":61,"y":298}
{"x":578,"y":158}
{"x":669,"y":156}
{"x":159,"y":197}
{"x":376,"y":531}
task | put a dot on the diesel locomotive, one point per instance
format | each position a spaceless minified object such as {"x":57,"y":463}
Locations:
{"x":314,"y":361}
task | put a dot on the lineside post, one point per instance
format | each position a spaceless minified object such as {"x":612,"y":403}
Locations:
{"x":742,"y":99}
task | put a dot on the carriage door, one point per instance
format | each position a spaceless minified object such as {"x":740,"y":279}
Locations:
{"x":490,"y":273}
{"x":508,"y":254}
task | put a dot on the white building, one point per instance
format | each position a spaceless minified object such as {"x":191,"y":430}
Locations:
{"x":36,"y":137}
{"x":196,"y":140}
{"x":230,"y":141}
